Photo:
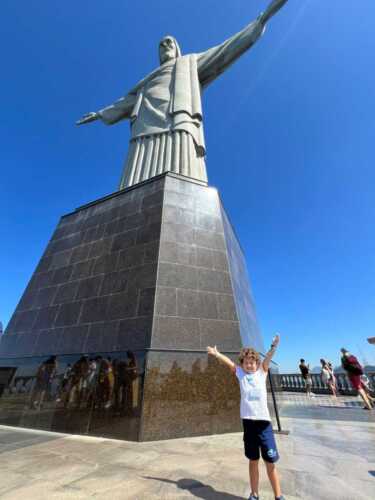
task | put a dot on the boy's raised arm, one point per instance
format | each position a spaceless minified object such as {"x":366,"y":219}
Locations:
{"x":222,"y":358}
{"x":270,"y":353}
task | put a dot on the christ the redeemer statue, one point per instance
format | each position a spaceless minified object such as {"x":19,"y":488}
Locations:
{"x":165,"y":110}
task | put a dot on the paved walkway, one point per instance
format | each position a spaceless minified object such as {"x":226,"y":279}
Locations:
{"x":329,"y":454}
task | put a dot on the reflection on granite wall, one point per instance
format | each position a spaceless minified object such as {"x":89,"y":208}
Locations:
{"x":153,"y":270}
{"x":186,"y":394}
{"x":98,"y":394}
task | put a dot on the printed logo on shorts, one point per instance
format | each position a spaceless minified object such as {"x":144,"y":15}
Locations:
{"x":271,"y":453}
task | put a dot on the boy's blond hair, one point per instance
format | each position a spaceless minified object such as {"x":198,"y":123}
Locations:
{"x":248,"y":352}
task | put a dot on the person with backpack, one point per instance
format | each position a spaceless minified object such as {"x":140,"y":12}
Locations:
{"x":354,"y":371}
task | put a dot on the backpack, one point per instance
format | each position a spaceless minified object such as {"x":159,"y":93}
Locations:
{"x":353,"y":367}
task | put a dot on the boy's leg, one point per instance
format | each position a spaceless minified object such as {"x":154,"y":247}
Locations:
{"x":254,"y":476}
{"x":270,"y":455}
{"x":273,"y":476}
{"x":251,"y":443}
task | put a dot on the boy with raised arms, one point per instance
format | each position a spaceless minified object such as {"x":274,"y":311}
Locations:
{"x":258,"y":434}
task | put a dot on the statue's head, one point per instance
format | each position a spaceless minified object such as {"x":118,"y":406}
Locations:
{"x":168,"y":49}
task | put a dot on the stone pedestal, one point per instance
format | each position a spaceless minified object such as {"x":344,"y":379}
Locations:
{"x":145,"y":278}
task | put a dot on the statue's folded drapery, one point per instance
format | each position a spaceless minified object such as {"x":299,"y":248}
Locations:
{"x":166,"y":114}
{"x":169,"y":152}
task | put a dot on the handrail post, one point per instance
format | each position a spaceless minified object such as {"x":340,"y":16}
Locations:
{"x":274,"y":402}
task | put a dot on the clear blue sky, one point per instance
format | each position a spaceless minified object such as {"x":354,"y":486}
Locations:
{"x":290,"y":135}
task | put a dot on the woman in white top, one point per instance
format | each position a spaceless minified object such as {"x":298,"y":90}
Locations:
{"x":258,"y":434}
{"x":327,"y":376}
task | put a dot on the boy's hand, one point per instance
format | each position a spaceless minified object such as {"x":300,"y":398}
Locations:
{"x":275,"y":341}
{"x":221,"y":358}
{"x":212,"y":350}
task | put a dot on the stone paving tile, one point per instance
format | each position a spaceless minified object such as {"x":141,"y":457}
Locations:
{"x":10,"y":480}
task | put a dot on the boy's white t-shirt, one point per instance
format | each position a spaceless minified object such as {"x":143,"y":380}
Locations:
{"x":253,"y":394}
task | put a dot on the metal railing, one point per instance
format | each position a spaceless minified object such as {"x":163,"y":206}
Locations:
{"x":293,"y":382}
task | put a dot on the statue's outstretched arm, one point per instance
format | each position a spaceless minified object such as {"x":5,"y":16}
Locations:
{"x":216,"y":60}
{"x":120,"y":110}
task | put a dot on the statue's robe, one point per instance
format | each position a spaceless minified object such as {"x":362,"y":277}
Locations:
{"x":165,"y":111}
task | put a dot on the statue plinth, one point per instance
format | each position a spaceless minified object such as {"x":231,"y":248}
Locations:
{"x":145,"y":278}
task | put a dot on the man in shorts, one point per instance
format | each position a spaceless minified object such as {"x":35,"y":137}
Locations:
{"x":258,"y":434}
{"x":305,"y":372}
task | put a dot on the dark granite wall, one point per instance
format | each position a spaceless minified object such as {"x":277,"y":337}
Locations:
{"x":185,"y":393}
{"x":194,"y":304}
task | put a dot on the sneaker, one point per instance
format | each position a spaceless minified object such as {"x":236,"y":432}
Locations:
{"x":253,"y":497}
{"x":280,"y":498}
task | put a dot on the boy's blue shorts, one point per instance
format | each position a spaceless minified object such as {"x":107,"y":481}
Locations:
{"x":258,"y":438}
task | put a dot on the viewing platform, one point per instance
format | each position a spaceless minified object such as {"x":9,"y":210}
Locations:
{"x":328,"y":454}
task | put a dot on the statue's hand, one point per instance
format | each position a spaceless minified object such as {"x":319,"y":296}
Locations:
{"x":87,"y":118}
{"x":271,"y":10}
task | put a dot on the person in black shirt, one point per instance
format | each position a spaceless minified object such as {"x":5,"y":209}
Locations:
{"x":305,"y":372}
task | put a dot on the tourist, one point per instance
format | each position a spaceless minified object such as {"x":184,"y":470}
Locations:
{"x":119,"y":390}
{"x":64,"y":388}
{"x":305,"y":372}
{"x":354,"y":371}
{"x":45,"y":374}
{"x":334,"y":381}
{"x":327,"y":376}
{"x":125,"y":371}
{"x":106,"y":383}
{"x":366,"y":385}
{"x":258,"y":434}
{"x":91,"y":380}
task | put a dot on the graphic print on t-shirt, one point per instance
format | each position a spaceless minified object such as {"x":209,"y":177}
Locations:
{"x":254,"y":393}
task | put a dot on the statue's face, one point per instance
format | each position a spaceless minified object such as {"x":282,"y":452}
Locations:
{"x":167,"y":49}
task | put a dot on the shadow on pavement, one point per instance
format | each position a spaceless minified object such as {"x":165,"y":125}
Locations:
{"x":198,"y":489}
